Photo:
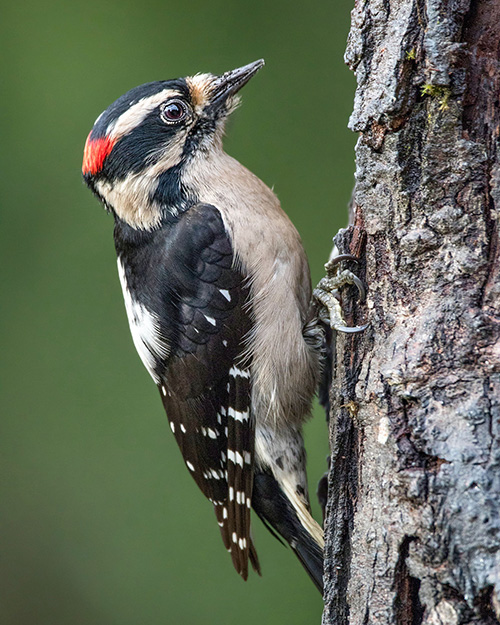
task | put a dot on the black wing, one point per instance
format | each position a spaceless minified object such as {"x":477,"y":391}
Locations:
{"x":205,"y":383}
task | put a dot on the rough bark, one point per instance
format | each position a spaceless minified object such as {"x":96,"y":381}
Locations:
{"x":413,"y":515}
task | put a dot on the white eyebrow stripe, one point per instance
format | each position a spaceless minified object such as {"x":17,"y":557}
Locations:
{"x":136,"y":114}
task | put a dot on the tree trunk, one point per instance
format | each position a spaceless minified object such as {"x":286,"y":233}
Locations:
{"x":413,"y":515}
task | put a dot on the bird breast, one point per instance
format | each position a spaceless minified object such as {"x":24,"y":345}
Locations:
{"x":269,"y":249}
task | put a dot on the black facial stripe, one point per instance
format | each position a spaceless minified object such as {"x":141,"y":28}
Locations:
{"x":171,"y":192}
{"x":140,"y":148}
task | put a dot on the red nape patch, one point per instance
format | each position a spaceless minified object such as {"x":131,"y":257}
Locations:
{"x":95,"y":153}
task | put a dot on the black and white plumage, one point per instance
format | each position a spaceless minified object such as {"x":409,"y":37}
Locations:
{"x":217,"y":289}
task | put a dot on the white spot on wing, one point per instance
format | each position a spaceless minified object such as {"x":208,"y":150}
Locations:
{"x":210,"y":320}
{"x":234,"y":371}
{"x":235,"y":457}
{"x":226,"y":294}
{"x":189,"y":465}
{"x":172,"y":426}
{"x":237,"y":416}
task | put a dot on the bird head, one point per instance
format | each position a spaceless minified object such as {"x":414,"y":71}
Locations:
{"x":153,"y":129}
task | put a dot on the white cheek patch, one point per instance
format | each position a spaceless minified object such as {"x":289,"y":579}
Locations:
{"x":130,"y":199}
{"x":145,"y":329}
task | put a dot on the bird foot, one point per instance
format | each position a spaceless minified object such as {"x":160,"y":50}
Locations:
{"x":326,"y":293}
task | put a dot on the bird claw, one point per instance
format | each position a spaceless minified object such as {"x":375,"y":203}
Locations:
{"x":327,"y":290}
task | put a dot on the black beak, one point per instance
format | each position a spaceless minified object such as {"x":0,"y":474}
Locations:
{"x":231,"y":82}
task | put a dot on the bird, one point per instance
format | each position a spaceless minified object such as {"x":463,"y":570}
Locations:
{"x":217,"y":291}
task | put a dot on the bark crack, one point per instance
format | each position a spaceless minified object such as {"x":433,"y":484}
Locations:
{"x":407,"y":607}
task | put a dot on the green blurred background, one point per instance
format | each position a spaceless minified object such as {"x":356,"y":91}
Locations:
{"x":101,"y":523}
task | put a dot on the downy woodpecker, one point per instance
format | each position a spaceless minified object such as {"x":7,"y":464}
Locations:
{"x":217,"y":291}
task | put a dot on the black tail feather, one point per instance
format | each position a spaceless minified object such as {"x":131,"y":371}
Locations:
{"x":278,"y":514}
{"x":310,"y":555}
{"x":254,"y":560}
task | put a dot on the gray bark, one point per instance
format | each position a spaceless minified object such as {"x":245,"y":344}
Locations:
{"x":413,"y":515}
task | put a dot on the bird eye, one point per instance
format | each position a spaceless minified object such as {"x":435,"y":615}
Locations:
{"x":174,"y":111}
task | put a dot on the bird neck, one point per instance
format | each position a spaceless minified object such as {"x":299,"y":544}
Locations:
{"x":147,"y":202}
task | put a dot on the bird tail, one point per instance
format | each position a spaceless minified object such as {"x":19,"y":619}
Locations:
{"x":286,"y":516}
